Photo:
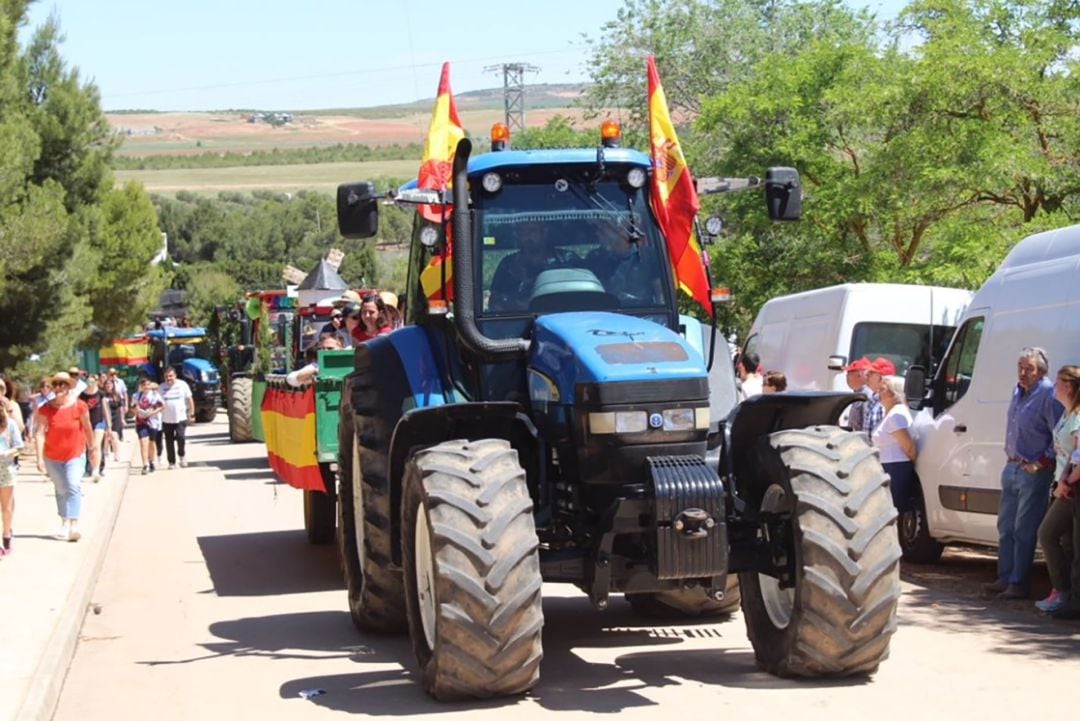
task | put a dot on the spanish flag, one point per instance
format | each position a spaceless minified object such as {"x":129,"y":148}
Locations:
{"x":444,"y":132}
{"x":436,"y":168}
{"x":288,"y":417}
{"x":675,"y":201}
{"x":126,"y":352}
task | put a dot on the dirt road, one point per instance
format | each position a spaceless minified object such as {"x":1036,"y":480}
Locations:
{"x":213,"y":606}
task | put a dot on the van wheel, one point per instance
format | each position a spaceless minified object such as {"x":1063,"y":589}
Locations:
{"x":915,"y":539}
{"x":835,"y":523}
{"x":687,"y":602}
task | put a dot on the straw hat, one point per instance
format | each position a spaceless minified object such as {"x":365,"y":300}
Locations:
{"x":388,"y":298}
{"x":62,"y":377}
{"x":349,"y":296}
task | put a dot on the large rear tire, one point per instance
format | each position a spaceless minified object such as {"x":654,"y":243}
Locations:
{"x":239,"y":409}
{"x":840,"y":615}
{"x":472,"y":570}
{"x":687,"y":603}
{"x":376,"y":589}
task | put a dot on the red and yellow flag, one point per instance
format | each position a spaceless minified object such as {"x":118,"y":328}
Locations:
{"x":675,"y":201}
{"x":436,"y":171}
{"x":288,"y":417}
{"x":126,"y":352}
{"x":444,"y":132}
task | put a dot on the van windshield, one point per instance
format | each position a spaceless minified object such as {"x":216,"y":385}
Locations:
{"x":905,"y":344}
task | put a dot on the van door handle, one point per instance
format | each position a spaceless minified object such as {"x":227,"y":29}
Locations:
{"x":959,"y":428}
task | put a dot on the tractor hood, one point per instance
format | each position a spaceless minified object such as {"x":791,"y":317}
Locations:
{"x":570,"y":349}
{"x":195,"y":367}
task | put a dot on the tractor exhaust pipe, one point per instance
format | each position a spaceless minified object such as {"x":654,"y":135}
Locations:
{"x":487,"y":349}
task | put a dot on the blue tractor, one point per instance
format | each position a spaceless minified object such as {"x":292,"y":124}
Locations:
{"x":189,"y":352}
{"x":558,"y":420}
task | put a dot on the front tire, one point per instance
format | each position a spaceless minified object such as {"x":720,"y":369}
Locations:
{"x":840,"y":615}
{"x":472,"y":570}
{"x":687,"y":603}
{"x":205,"y":415}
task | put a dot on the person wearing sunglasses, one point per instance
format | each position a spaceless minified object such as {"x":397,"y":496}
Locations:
{"x":63,"y":436}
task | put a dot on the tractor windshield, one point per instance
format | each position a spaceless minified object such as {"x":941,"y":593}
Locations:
{"x":569,"y":245}
{"x":181,"y":349}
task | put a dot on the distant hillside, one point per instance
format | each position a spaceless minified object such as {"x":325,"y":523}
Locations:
{"x":539,"y":96}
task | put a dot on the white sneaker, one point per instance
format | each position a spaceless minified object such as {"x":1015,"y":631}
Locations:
{"x":183,"y":463}
{"x":63,"y":533}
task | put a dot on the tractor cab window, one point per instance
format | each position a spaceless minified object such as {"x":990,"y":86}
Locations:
{"x":561,"y":247}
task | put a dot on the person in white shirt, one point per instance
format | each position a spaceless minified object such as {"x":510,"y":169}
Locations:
{"x":179,"y":410}
{"x":303,"y":376}
{"x":749,"y":370}
{"x":892,"y":437}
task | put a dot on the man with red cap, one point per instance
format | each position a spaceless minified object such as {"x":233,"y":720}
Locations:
{"x":856,"y":381}
{"x":880,"y":368}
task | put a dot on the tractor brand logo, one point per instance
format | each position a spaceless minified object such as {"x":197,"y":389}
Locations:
{"x":656,"y":420}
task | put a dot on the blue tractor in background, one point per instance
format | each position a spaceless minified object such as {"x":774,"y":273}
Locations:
{"x":559,"y":421}
{"x":189,"y":352}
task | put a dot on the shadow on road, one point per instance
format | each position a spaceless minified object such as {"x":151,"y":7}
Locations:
{"x":269,"y":563}
{"x":385,"y":683}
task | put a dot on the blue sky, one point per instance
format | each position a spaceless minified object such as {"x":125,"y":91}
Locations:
{"x":274,"y":55}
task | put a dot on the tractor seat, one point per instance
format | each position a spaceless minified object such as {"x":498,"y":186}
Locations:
{"x":567,"y":289}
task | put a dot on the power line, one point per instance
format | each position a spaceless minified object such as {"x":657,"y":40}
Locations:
{"x":320,"y":76}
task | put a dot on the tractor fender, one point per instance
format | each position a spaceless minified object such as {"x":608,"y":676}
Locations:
{"x":423,"y":427}
{"x":760,"y":416}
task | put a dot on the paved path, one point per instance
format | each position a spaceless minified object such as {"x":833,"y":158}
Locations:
{"x":46,"y":586}
{"x":214,"y":606}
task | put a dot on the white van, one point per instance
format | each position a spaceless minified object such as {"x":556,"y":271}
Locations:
{"x":1033,"y":299}
{"x":811,"y":336}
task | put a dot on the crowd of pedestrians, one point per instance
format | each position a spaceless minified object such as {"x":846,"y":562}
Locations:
{"x":74,"y":421}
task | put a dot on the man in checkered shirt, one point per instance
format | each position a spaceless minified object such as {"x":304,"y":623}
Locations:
{"x":880,"y":368}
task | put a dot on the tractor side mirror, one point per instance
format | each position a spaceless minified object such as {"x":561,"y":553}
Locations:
{"x":357,"y":210}
{"x":915,"y":386}
{"x":836,"y":362}
{"x":783,"y":193}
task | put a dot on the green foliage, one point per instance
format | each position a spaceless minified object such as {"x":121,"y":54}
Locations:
{"x":208,"y":290}
{"x":339,"y":153}
{"x":250,"y":238}
{"x":74,"y":251}
{"x":558,"y":132}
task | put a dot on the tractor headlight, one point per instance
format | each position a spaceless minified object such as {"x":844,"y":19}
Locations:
{"x":618,"y":422}
{"x":204,"y":376}
{"x":679,"y":419}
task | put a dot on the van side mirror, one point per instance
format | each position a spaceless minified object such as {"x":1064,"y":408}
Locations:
{"x":836,"y":362}
{"x":915,"y":386}
{"x":783,"y":193}
{"x":357,"y":210}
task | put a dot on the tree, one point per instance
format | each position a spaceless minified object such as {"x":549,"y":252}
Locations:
{"x":65,"y":233}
